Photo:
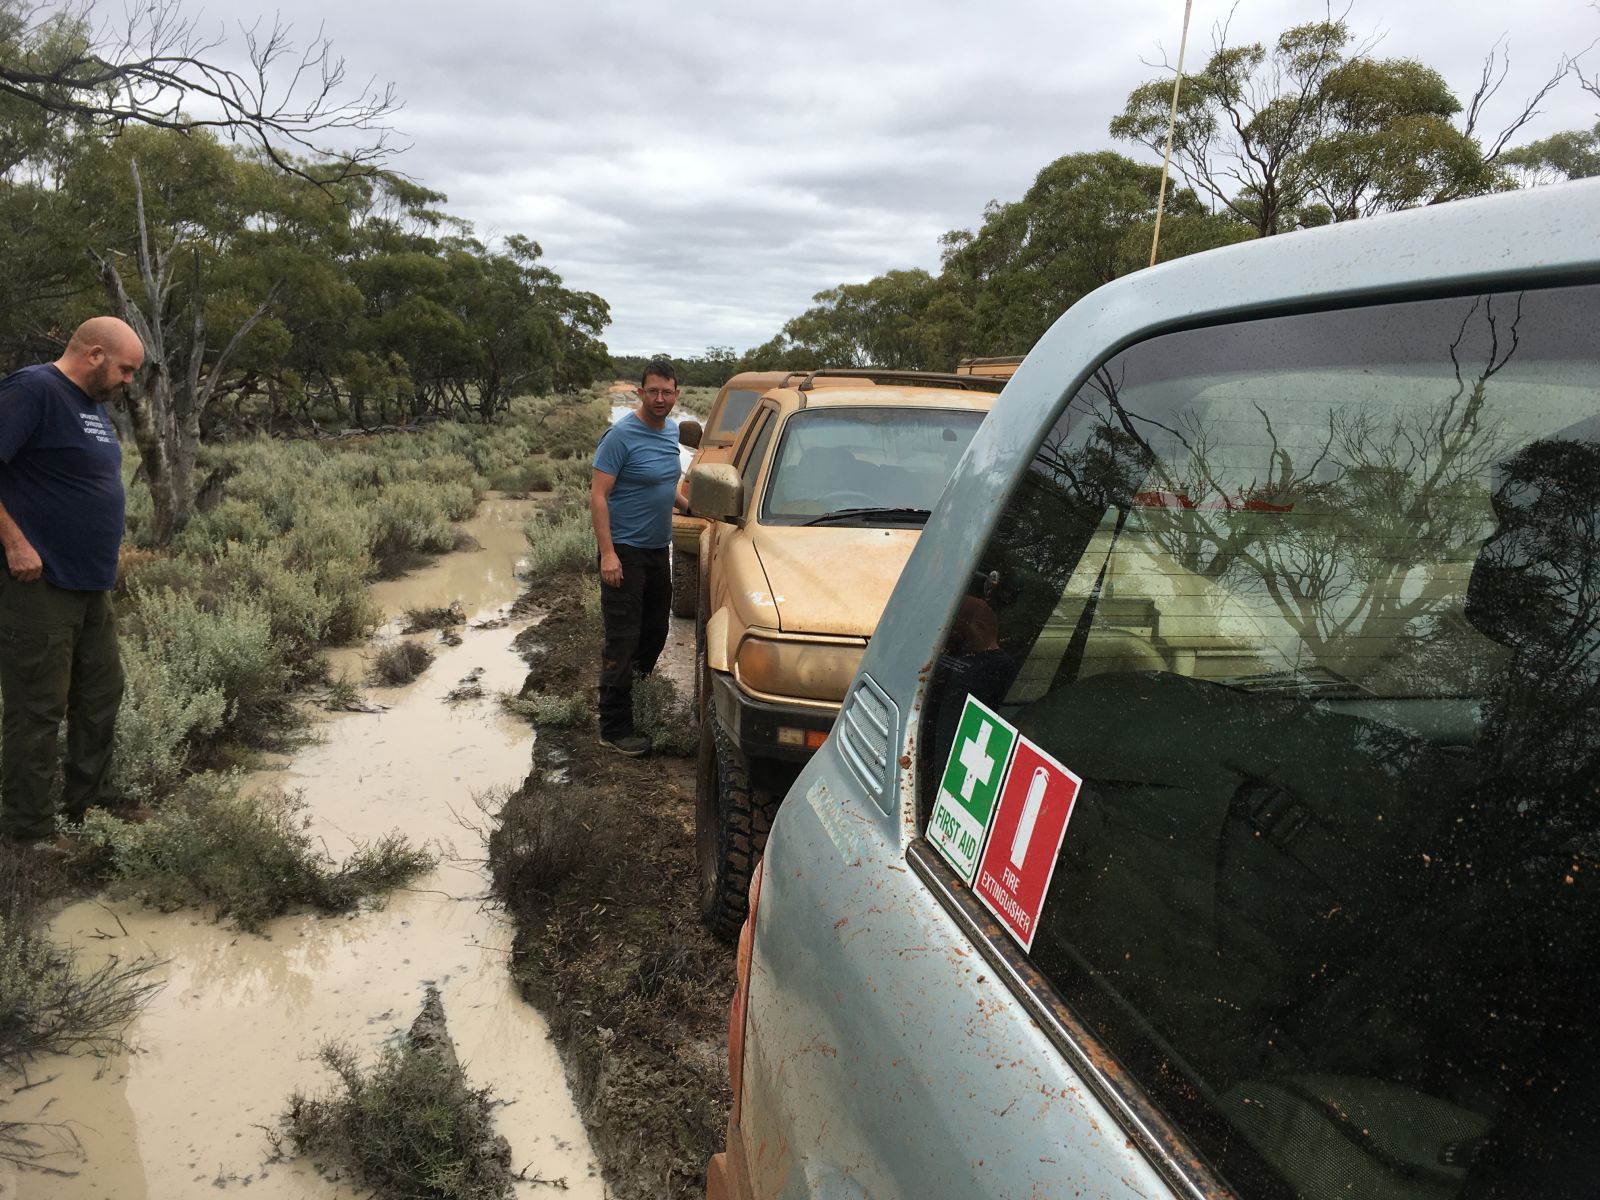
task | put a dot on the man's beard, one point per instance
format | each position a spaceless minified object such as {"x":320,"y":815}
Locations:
{"x":103,"y":386}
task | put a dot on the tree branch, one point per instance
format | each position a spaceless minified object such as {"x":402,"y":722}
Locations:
{"x":157,"y":71}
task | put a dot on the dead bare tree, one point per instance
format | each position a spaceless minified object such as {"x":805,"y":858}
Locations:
{"x":158,"y":68}
{"x":1496,"y":66}
{"x":170,"y":396}
{"x":1589,"y":83}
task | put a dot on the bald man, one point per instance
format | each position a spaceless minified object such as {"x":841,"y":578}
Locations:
{"x":61,"y":528}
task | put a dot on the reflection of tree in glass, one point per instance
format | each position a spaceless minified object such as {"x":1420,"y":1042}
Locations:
{"x":1359,"y":542}
{"x":1536,"y":589}
{"x":1072,"y":490}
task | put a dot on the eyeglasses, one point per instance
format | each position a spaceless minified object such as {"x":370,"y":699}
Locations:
{"x":658,"y":393}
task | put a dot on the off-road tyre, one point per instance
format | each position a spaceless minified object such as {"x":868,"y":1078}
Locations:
{"x":702,"y":666}
{"x":732,"y":820}
{"x":685,"y":583}
{"x":702,"y":674}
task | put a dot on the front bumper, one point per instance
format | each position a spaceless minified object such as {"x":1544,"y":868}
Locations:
{"x":764,"y":729}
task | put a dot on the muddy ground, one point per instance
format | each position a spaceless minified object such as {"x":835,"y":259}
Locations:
{"x":594,"y":857}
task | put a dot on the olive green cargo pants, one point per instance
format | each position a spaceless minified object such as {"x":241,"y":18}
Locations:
{"x":58,"y":660}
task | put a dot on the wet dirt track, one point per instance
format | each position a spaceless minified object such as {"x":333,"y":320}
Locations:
{"x":238,"y":1024}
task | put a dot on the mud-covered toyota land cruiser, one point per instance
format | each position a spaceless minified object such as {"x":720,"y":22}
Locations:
{"x":734,"y":403}
{"x":811,"y":522}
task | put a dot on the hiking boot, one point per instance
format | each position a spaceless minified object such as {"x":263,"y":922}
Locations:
{"x":634,"y":745}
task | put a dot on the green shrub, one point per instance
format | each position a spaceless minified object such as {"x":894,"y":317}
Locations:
{"x":411,"y":521}
{"x":229,"y":648}
{"x":523,"y":477}
{"x":456,"y":474}
{"x":250,"y":857}
{"x":337,"y":529}
{"x":234,"y":520}
{"x":400,"y":662}
{"x":298,"y":613}
{"x":572,"y":478}
{"x":174,"y":572}
{"x":661,"y":714}
{"x":411,"y":1127}
{"x":589,"y":599}
{"x":538,"y":839}
{"x":351,"y":612}
{"x":550,"y":712}
{"x":561,"y":544}
{"x":164,"y":717}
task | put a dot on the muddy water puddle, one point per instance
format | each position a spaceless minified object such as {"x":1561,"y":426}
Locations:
{"x":236,"y":1028}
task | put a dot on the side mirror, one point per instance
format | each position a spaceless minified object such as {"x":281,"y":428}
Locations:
{"x":689,"y":434}
{"x":716,"y":491}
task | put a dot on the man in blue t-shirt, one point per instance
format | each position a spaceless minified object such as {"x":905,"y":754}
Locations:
{"x":632,"y":492}
{"x":61,"y":508}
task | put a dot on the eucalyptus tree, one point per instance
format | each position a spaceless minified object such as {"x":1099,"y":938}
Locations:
{"x":1313,"y":128}
{"x":186,"y":250}
{"x":1086,"y":219}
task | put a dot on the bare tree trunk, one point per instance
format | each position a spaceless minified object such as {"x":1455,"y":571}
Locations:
{"x":166,"y":412}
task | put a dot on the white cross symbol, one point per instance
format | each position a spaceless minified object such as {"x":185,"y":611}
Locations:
{"x":976,"y":760}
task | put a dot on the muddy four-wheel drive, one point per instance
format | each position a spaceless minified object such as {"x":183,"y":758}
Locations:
{"x":734,"y":403}
{"x":809,"y":525}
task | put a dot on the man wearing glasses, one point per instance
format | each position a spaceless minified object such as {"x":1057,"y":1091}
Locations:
{"x":632,"y":492}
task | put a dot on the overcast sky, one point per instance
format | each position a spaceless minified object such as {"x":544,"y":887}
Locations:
{"x":706,"y":167}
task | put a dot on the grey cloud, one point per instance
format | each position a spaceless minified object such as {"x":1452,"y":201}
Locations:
{"x":707,"y":168}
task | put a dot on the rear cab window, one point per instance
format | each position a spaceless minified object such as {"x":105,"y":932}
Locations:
{"x":737,"y":405}
{"x":1311,"y":605}
{"x":754,"y":452}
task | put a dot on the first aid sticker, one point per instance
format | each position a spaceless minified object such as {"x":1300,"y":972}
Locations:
{"x":970,"y":787}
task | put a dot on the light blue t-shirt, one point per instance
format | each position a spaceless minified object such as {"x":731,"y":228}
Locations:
{"x":645,"y":462}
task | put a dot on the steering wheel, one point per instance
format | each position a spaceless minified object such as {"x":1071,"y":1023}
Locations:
{"x":840,"y":500}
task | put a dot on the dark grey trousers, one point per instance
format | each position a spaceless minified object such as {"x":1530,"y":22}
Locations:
{"x":635,"y":616}
{"x":58,"y":661}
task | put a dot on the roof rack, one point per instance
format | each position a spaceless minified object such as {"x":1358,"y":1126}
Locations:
{"x":995,"y":360}
{"x":941,"y":379}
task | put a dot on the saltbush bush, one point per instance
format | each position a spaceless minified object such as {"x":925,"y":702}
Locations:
{"x":662,"y":714}
{"x":560,"y":543}
{"x":227,"y":647}
{"x":549,"y":711}
{"x":410,"y":1127}
{"x":411,"y":523}
{"x":250,"y":857}
{"x":163,"y":724}
{"x":400,"y":662}
{"x":49,"y":1006}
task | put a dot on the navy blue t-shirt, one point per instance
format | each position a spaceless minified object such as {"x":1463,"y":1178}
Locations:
{"x":61,"y":477}
{"x":645,"y":463}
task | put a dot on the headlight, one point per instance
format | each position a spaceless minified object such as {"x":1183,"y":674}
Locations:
{"x":807,"y":670}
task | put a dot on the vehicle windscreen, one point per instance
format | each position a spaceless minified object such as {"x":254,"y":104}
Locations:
{"x":872,"y":466}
